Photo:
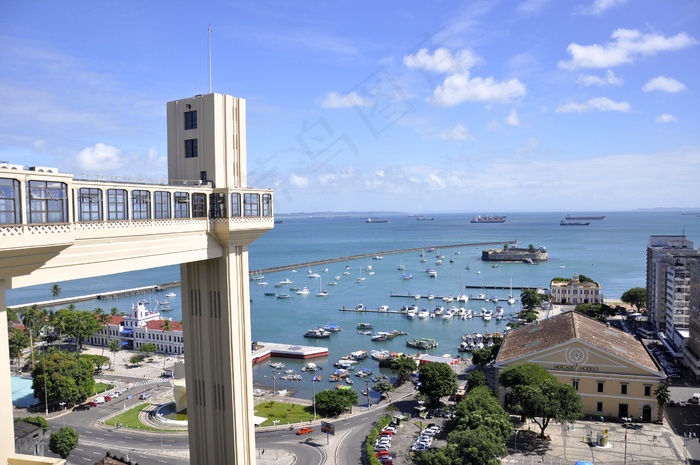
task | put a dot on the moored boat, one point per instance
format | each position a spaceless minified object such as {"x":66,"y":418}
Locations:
{"x":489,"y":219}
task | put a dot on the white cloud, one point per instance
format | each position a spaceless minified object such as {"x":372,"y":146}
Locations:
{"x":459,"y":88}
{"x":666,"y":118}
{"x":531,"y":7}
{"x":512,"y":119}
{"x":442,"y":61}
{"x":600,"y":6}
{"x":599,"y":104}
{"x":299,"y":181}
{"x":101,"y":158}
{"x":627,"y":45}
{"x":610,"y":79}
{"x":335,"y":100}
{"x":458,"y":132}
{"x":664,"y":84}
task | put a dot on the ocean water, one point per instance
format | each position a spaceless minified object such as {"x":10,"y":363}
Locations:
{"x":612,"y":252}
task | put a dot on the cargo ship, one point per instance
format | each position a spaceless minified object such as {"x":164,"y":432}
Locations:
{"x":488,"y":219}
{"x":585,"y":218}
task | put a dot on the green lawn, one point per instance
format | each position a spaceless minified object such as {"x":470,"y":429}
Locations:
{"x":102,"y":387}
{"x":285,"y":413}
{"x":130,"y":419}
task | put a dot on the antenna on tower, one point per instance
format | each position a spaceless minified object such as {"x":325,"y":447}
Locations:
{"x":209,"y":41}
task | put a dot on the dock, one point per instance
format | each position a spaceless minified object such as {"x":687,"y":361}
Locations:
{"x":265,"y":350}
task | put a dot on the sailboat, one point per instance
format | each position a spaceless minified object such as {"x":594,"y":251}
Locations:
{"x":511,"y":300}
{"x":321,"y":292}
{"x":360,"y":278}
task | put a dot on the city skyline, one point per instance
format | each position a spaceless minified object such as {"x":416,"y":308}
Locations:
{"x":486,"y":107}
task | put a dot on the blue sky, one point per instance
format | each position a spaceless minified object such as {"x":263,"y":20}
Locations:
{"x":435,"y":106}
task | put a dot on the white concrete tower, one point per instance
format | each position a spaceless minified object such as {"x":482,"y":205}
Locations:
{"x":206,"y":141}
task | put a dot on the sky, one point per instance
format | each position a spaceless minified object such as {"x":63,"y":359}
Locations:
{"x":487,"y":106}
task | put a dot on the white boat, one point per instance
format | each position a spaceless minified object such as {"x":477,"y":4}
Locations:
{"x":406,"y":276}
{"x":447,"y":315}
{"x":439,"y":310}
{"x":462,"y":298}
{"x":321,"y":292}
{"x":303,"y":291}
{"x":424,"y":313}
{"x":511,"y":299}
{"x":170,"y":295}
{"x":411,"y":313}
{"x":448,"y":299}
{"x":486,"y":314}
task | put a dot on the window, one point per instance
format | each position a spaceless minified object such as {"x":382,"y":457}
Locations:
{"x":182,"y":205}
{"x":251,"y":205}
{"x":598,"y":406}
{"x":235,"y":204}
{"x":141,"y":205}
{"x":10,"y":211}
{"x":199,"y":206}
{"x":267,"y":205}
{"x":48,"y":202}
{"x":623,"y":389}
{"x":117,"y":204}
{"x":217,"y":205}
{"x":574,"y":382}
{"x":601,"y":386}
{"x":89,"y":204}
{"x":647,"y":390}
{"x":191,"y":119}
{"x":191,"y":150}
{"x":161,"y":204}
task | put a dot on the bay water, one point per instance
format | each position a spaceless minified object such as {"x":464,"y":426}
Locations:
{"x":611,"y":252}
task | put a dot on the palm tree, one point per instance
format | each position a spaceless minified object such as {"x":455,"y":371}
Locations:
{"x":114,"y":347}
{"x":663,"y":395}
{"x":30,"y":317}
{"x":103,"y":319}
{"x":167,"y":327}
{"x":531,"y":298}
{"x":56,"y":291}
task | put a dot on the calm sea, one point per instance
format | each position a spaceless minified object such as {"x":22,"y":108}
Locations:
{"x":611,"y":252}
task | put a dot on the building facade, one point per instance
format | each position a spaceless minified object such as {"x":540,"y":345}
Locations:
{"x":668,"y":289}
{"x":691,"y":354}
{"x":141,"y":326}
{"x":610,"y":369}
{"x":574,"y":292}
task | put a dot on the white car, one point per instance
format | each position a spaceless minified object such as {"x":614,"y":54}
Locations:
{"x":419,"y":447}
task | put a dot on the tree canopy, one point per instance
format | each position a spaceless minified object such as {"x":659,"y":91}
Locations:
{"x":63,"y":441}
{"x":69,"y":377}
{"x":332,"y":402}
{"x":403,"y":367}
{"x":531,"y":298}
{"x":637,"y":297}
{"x":537,"y":395}
{"x":437,"y":380}
{"x":600,"y":312}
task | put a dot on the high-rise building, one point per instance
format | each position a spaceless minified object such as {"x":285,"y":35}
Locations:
{"x":691,"y":354}
{"x":668,"y":288}
{"x":56,"y":226}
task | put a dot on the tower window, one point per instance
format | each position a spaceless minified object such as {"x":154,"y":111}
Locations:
{"x":191,"y":149}
{"x":190,"y":120}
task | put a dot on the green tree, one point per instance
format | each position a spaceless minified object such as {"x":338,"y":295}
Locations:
{"x":11,"y":316}
{"x":481,"y":357}
{"x":551,"y":400}
{"x":136,"y":359}
{"x":18,"y":341}
{"x":531,"y":248}
{"x":637,"y":297}
{"x":332,"y":402}
{"x":114,"y":347}
{"x":148,"y":349}
{"x":403,"y":367}
{"x":82,"y":326}
{"x":38,"y":421}
{"x":385,"y":387}
{"x":523,"y":374}
{"x":68,"y":377}
{"x":167,"y":327}
{"x":62,"y":320}
{"x":663,"y":395}
{"x":63,"y":441}
{"x":103,"y":319}
{"x":475,"y":379}
{"x":600,"y":312}
{"x":437,"y":380}
{"x":531,"y":298}
{"x":31,"y":319}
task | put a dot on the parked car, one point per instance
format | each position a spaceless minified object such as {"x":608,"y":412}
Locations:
{"x":144,"y":396}
{"x":92,"y":404}
{"x":305,"y":430}
{"x":82,"y":407}
{"x":108,"y":398}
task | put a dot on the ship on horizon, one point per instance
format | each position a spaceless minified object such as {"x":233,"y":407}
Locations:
{"x":571,"y":217}
{"x":489,"y":219}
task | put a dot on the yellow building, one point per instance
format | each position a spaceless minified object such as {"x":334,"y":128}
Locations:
{"x":611,"y":370}
{"x":574,"y":291}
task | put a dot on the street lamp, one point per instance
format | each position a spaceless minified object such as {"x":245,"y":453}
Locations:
{"x":515,"y":449}
{"x":367,"y":393}
{"x":624,"y":424}
{"x":274,"y":380}
{"x":275,"y":422}
{"x":313,"y":383}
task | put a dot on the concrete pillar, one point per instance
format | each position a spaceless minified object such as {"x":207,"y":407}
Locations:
{"x":218,"y":363}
